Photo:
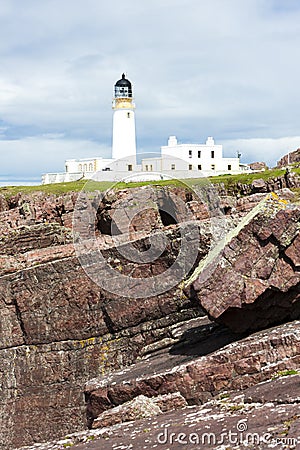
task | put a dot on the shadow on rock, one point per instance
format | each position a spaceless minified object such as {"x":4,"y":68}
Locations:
{"x":205,"y":339}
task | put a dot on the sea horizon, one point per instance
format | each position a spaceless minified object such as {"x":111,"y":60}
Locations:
{"x":19,"y":181}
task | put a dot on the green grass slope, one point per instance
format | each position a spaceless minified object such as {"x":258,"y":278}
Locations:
{"x":76,"y":186}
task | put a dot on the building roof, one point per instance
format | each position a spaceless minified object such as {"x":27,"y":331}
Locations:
{"x":123,"y":82}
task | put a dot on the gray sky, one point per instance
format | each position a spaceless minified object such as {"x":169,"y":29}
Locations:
{"x":223,"y":68}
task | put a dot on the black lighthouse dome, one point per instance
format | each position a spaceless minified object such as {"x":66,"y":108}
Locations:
{"x":123,"y":88}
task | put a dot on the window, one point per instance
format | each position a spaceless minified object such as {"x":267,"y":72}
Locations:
{"x":146,"y":167}
{"x":128,"y":115}
{"x":172,"y":166}
{"x":229,"y":166}
{"x":212,"y":153}
{"x":213,"y":167}
{"x":190,"y":166}
{"x":85,"y":168}
{"x":199,"y":167}
{"x":151,"y":167}
{"x":190,"y":153}
{"x":91,"y":167}
{"x":199,"y":153}
{"x":80,"y":167}
{"x":130,"y":167}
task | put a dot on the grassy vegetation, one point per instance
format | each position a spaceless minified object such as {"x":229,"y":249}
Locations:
{"x":89,"y":186}
{"x":76,"y":186}
{"x":57,"y":189}
{"x":247,"y":178}
{"x":285,"y":373}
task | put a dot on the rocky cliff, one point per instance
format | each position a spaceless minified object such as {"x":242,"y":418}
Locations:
{"x":76,"y":352}
{"x":290,"y":158}
{"x":58,"y":328}
{"x":209,"y":389}
{"x":251,"y":279}
{"x":288,"y":179}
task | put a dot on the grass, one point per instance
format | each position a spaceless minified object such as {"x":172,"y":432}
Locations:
{"x":247,"y":178}
{"x":89,"y":186}
{"x":236,"y":407}
{"x":56,"y":189}
{"x":285,"y":373}
{"x":76,"y":186}
{"x":224,"y":396}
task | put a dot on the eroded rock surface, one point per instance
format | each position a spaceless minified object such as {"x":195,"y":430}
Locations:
{"x":251,"y":280}
{"x":290,"y":158}
{"x":263,"y":416}
{"x":199,"y":371}
{"x":58,"y":329}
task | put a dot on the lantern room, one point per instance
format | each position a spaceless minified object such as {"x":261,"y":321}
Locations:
{"x":123,"y":88}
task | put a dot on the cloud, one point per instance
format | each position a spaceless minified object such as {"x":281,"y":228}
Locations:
{"x":37,"y":155}
{"x":268,"y":150}
{"x":224,"y":68}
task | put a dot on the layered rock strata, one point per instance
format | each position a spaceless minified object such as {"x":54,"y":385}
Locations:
{"x":259,"y":418}
{"x":251,"y":279}
{"x":236,"y":366}
{"x":58,"y":328}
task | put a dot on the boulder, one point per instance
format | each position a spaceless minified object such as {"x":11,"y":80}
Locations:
{"x":258,"y":166}
{"x":135,"y":409}
{"x":251,"y":279}
{"x":259,"y":185}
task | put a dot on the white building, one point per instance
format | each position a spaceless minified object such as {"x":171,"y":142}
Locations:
{"x":206,"y":158}
{"x":176,"y":160}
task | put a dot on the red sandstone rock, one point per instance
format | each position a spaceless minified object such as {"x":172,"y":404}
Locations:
{"x":258,"y":166}
{"x":259,"y":185}
{"x":58,"y":329}
{"x":266,"y":416}
{"x":290,"y":158}
{"x":238,"y":365}
{"x":251,"y":281}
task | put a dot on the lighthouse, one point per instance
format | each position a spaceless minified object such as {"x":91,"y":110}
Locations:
{"x":124,"y":139}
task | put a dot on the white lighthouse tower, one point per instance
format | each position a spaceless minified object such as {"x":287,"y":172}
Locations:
{"x":124,"y":139}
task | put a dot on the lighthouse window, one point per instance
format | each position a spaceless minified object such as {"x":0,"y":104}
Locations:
{"x":199,"y":153}
{"x":80,"y":167}
{"x":190,"y":153}
{"x":128,"y":115}
{"x":85,"y":168}
{"x":190,"y":166}
{"x":212,"y":154}
{"x":173,"y":167}
{"x":229,"y":166}
{"x":91,"y":167}
{"x":130,"y":167}
{"x":199,"y":167}
{"x":213,"y":167}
